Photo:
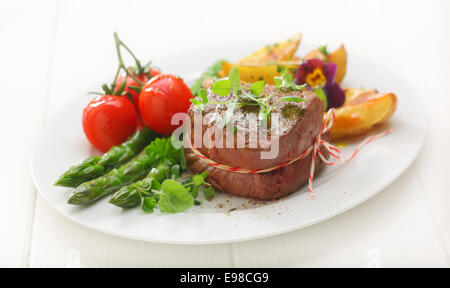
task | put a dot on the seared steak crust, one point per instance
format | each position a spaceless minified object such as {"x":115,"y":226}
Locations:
{"x":263,"y":186}
{"x":300,"y":122}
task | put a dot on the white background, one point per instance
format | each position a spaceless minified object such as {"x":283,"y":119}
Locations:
{"x":53,"y":50}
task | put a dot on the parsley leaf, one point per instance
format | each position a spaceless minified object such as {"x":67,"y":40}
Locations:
{"x":197,"y":103}
{"x":203,"y":95}
{"x":198,"y":180}
{"x":257,"y":88}
{"x":323,"y":49}
{"x":292,"y":99}
{"x":148,"y":204}
{"x":162,"y":150}
{"x":285,"y":82}
{"x":319,"y":93}
{"x":173,"y":197}
{"x":235,"y":80}
{"x":194,"y":191}
{"x":221,"y":87}
{"x":208,"y":192}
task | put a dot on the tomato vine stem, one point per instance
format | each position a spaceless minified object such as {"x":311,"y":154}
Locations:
{"x":118,"y":44}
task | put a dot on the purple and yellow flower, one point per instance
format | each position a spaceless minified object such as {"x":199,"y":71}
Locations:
{"x":318,"y":74}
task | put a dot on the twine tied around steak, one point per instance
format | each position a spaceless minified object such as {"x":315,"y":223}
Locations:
{"x":314,"y":149}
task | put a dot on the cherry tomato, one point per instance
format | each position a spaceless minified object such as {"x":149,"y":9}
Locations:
{"x":161,"y":98}
{"x":108,"y":121}
{"x":133,"y":93}
{"x":131,"y":82}
{"x":154,"y":72}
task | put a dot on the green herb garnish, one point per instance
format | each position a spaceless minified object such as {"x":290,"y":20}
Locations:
{"x":198,"y":182}
{"x":249,"y":96}
{"x":319,"y":93}
{"x":148,"y":204}
{"x":210,"y":73}
{"x":323,"y":49}
{"x":200,"y":103}
{"x":173,"y":197}
{"x":292,"y":99}
{"x":258,"y":87}
{"x":285,"y":82}
{"x":208,"y":192}
{"x":221,"y":87}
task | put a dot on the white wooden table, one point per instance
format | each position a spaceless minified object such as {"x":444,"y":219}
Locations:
{"x":52,"y":50}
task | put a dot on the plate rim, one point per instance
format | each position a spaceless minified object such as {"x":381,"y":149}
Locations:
{"x":372,"y":191}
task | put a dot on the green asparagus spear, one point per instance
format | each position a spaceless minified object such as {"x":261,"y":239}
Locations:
{"x":160,"y":150}
{"x":94,"y":167}
{"x":85,"y":171}
{"x":209,"y":73}
{"x":131,"y":195}
{"x":171,"y":196}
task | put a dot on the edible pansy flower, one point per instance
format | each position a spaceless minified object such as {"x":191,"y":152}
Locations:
{"x":318,"y":74}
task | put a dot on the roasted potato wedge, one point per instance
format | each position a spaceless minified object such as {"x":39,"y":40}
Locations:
{"x":339,"y":57}
{"x":316,"y":54}
{"x":252,"y":73}
{"x":264,"y":63}
{"x":361,"y":111}
{"x":280,"y":51}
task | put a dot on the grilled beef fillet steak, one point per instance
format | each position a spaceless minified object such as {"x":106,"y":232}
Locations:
{"x":262,"y":186}
{"x":299,"y":124}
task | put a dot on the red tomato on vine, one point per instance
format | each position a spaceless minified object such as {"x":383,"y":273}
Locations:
{"x":161,"y":98}
{"x":108,"y":120}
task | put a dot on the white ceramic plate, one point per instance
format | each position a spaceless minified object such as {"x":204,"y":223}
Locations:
{"x":337,"y":189}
